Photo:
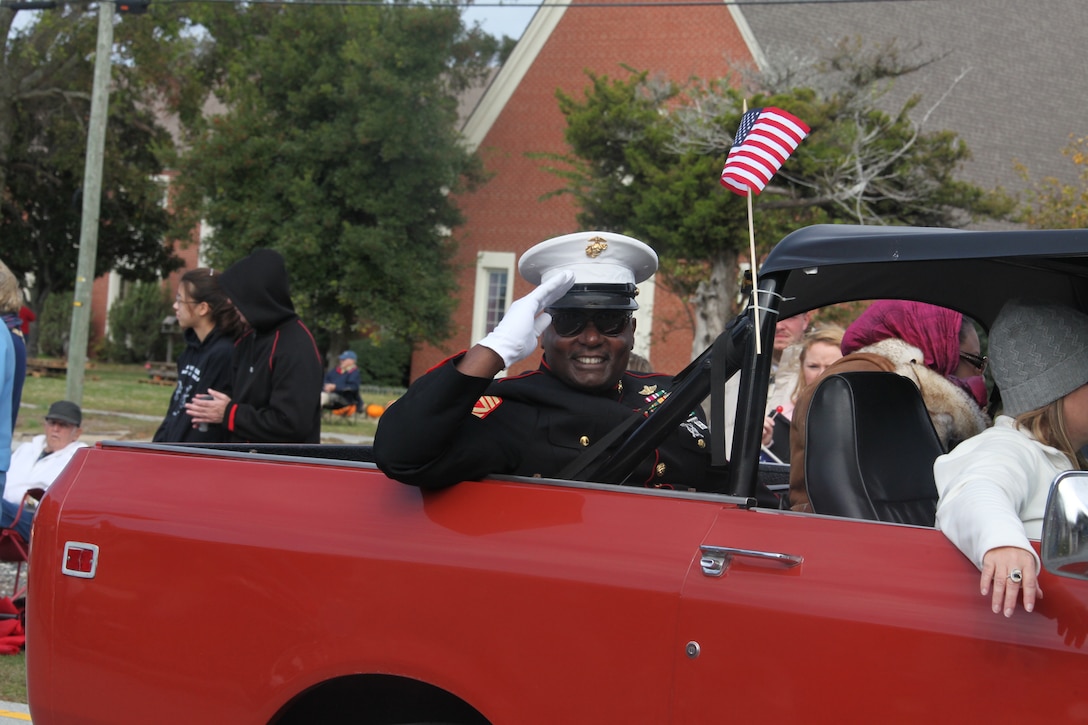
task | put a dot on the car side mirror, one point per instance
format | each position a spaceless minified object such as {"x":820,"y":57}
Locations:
{"x":1065,"y":526}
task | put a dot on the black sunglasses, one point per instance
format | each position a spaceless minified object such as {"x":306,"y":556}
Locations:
{"x":976,"y":360}
{"x":568,"y":323}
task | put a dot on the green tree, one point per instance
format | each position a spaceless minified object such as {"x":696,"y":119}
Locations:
{"x":54,"y":326}
{"x":338,"y":148}
{"x":1051,"y":204}
{"x":136,"y":324}
{"x":383,"y":362}
{"x":46,"y":73}
{"x":647,"y":153}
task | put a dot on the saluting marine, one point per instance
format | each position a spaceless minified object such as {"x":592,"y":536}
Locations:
{"x":458,"y":423}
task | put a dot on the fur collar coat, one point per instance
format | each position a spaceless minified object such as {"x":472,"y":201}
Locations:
{"x":953,"y":412}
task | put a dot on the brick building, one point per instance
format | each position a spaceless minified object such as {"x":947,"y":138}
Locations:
{"x":519,"y":115}
{"x":1001,"y":70}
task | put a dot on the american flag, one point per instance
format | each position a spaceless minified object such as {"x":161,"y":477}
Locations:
{"x":765,"y":139}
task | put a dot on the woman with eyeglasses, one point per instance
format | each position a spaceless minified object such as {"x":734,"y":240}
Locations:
{"x":209,"y":324}
{"x":922,"y":342}
{"x":993,"y":488}
{"x":457,"y":423}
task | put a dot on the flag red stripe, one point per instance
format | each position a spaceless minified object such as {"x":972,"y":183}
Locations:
{"x":770,"y":143}
{"x":755,"y":166}
{"x":783,"y":127}
{"x":765,"y":152}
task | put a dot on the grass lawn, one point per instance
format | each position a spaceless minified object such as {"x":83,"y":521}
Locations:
{"x":111,"y":389}
{"x":13,"y":678}
{"x":121,"y":402}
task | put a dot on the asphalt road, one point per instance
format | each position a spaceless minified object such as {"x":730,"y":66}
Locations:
{"x":14,"y":712}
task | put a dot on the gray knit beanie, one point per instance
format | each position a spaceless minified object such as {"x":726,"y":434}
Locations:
{"x":1038,"y":353}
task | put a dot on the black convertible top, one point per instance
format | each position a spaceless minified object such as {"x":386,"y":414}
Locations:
{"x":973,"y":272}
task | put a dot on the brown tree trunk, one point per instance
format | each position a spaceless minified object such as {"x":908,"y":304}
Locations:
{"x":713,"y":300}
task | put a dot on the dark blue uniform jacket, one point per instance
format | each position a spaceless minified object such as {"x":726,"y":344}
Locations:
{"x":451,"y":427}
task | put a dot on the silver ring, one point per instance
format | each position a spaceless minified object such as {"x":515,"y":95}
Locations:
{"x":1016,"y":576}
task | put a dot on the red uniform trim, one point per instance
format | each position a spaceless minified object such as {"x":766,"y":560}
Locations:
{"x":317,"y":353}
{"x":271,"y":355}
{"x":443,"y":362}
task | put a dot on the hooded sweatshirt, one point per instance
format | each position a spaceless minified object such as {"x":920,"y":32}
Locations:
{"x":276,"y":386}
{"x":203,"y":364}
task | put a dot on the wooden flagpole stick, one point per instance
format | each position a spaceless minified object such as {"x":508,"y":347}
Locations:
{"x":755,"y":273}
{"x":752,"y":259}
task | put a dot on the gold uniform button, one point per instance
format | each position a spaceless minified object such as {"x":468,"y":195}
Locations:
{"x":660,"y":468}
{"x":584,"y":440}
{"x":701,"y":443}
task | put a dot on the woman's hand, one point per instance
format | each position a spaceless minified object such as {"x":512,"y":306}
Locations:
{"x":1008,"y":570}
{"x":768,"y":431}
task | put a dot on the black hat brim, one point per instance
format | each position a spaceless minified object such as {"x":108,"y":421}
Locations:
{"x":598,"y":297}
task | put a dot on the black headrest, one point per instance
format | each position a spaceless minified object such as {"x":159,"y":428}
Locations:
{"x":869,"y":449}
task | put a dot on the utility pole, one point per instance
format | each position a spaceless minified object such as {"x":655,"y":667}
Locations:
{"x":92,"y":198}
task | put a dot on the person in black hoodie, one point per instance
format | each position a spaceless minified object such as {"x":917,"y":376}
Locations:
{"x":210,"y":324}
{"x":276,"y":385}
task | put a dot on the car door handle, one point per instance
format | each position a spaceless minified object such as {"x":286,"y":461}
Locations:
{"x":715,"y":559}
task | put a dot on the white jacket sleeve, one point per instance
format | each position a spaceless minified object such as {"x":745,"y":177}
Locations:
{"x":988,"y":486}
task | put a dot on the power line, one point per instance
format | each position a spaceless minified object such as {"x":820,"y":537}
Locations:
{"x":47,"y":4}
{"x":545,"y":4}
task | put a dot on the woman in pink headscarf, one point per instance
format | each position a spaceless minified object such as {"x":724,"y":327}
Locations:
{"x":943,"y":336}
{"x":937,"y":348}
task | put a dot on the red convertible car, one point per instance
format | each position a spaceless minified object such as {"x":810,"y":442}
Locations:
{"x":297,"y":584}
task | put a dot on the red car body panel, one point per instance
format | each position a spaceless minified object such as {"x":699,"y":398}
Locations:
{"x":379,"y":578}
{"x":225,"y":586}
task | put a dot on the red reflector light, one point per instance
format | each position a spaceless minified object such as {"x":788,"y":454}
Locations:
{"x":80,"y":559}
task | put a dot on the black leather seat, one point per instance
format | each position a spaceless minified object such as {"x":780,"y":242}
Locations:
{"x":870,"y":449}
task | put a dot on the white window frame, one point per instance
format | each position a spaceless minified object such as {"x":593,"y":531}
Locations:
{"x":645,"y":316}
{"x":486,"y":263}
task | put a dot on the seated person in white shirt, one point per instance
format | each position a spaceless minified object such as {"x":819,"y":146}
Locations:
{"x":37,"y":463}
{"x":993,"y":487}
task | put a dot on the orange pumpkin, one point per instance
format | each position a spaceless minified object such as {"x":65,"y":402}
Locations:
{"x":374,"y":410}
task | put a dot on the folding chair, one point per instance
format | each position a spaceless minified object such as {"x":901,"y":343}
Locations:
{"x":350,"y":413}
{"x":13,"y":547}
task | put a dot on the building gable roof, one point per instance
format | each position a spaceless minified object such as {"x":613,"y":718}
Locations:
{"x":1013,"y":72}
{"x":540,"y":30}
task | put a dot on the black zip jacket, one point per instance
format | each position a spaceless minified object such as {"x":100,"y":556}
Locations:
{"x":276,"y":383}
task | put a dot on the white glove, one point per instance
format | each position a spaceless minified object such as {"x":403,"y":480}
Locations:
{"x":516,"y":335}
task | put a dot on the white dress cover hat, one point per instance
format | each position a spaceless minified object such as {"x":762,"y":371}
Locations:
{"x":606,"y":267}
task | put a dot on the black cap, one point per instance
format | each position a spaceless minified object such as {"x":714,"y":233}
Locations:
{"x":65,"y":411}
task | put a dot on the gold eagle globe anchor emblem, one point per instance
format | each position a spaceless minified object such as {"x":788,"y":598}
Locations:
{"x":595,"y":247}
